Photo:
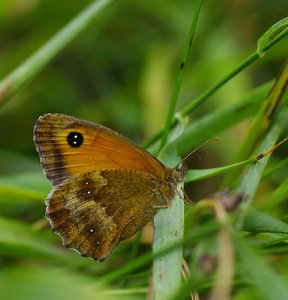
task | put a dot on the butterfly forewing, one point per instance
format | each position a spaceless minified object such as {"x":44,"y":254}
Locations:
{"x":69,"y":146}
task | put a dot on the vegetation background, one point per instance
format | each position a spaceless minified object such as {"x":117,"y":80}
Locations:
{"x":120,"y":72}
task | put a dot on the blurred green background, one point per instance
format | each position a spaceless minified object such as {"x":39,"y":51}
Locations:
{"x":118,"y":72}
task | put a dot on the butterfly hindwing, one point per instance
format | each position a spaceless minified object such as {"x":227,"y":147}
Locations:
{"x":94,"y":211}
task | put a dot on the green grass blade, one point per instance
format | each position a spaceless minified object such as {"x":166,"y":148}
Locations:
{"x":169,"y":223}
{"x":201,"y":232}
{"x":251,"y":179}
{"x":180,"y":75}
{"x":28,"y":186}
{"x":267,"y":284}
{"x":210,"y":91}
{"x":194,"y":175}
{"x":168,"y":230}
{"x":222,"y":119}
{"x":263,"y":119}
{"x":278,"y":197}
{"x":46,"y":283}
{"x":30,"y":195}
{"x":21,"y":240}
{"x":256,"y":221}
{"x":167,"y":268}
{"x":276,"y":31}
{"x":275,"y":167}
{"x":210,"y":125}
{"x":18,"y":78}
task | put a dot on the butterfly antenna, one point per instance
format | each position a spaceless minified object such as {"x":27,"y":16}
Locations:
{"x":186,"y":198}
{"x":195,"y":150}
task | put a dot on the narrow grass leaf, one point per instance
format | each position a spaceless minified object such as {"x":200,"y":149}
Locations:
{"x":214,"y":88}
{"x":251,"y":179}
{"x":180,"y":74}
{"x":18,"y":78}
{"x":276,"y":31}
{"x":168,"y":229}
{"x":21,"y":240}
{"x":199,"y":233}
{"x":257,"y":221}
{"x":45,"y":283}
{"x":262,"y":120}
{"x":278,"y":197}
{"x":194,"y":175}
{"x":220,"y":120}
{"x":267,"y":283}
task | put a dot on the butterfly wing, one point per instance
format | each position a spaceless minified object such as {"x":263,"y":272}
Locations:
{"x":69,"y":146}
{"x":94,"y":211}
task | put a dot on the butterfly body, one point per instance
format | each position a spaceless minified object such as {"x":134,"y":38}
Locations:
{"x":105,"y":188}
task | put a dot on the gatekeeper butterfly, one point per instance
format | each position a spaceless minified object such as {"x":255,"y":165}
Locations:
{"x":105,"y":188}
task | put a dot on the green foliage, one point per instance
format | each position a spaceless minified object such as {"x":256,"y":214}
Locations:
{"x":117,"y":63}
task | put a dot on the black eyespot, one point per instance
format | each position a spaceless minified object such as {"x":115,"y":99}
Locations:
{"x":75,"y":139}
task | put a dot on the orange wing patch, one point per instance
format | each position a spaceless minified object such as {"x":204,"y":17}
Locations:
{"x":69,"y":146}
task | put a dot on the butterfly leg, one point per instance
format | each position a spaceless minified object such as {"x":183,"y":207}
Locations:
{"x":160,"y":206}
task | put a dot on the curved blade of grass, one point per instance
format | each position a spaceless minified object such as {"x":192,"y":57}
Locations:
{"x":193,"y":175}
{"x":210,"y":91}
{"x":201,"y":232}
{"x":256,"y":221}
{"x":274,"y":239}
{"x":46,"y":283}
{"x":225,"y":256}
{"x":275,"y":32}
{"x":275,"y":167}
{"x":219,"y":120}
{"x":278,"y":196}
{"x":29,"y":180}
{"x":18,"y":78}
{"x":21,"y":240}
{"x":251,"y":179}
{"x":262,"y":119}
{"x":21,"y":193}
{"x":266,"y":282}
{"x":27,"y":186}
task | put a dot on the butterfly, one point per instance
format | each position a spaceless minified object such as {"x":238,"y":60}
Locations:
{"x":105,"y":187}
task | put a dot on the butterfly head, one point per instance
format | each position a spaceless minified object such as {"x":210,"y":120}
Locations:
{"x":176,"y":175}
